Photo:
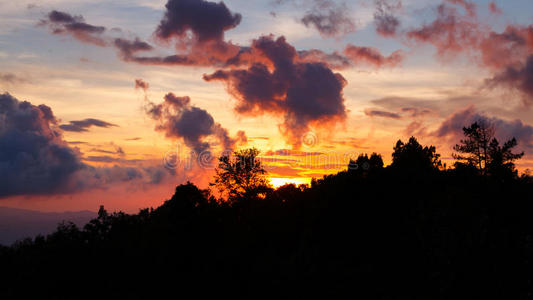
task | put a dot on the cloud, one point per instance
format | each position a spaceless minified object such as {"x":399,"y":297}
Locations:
{"x":493,"y":7}
{"x":242,"y":139}
{"x":386,"y":22}
{"x":372,"y":56}
{"x":82,"y":125}
{"x":64,"y":23}
{"x":128,"y":48}
{"x":416,"y":111}
{"x":469,"y":6}
{"x":334,"y":60}
{"x":329,"y":18}
{"x":508,"y":48}
{"x":141,"y":84}
{"x":281,"y":85}
{"x":118,"y":151}
{"x":520,"y":78}
{"x":178,"y":119}
{"x":452,"y":127}
{"x":382,"y":114}
{"x":507,"y":55}
{"x":33,"y":157}
{"x":197,"y":27}
{"x":451,"y":32}
{"x":206,"y":20}
{"x":11,"y":78}
{"x":35,"y":160}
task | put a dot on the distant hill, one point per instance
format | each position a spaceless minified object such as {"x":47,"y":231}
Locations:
{"x":16,"y":224}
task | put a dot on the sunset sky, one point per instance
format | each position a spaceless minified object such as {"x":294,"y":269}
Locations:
{"x":117,"y":89}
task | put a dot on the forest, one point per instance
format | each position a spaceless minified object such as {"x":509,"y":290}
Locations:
{"x":415,"y":229}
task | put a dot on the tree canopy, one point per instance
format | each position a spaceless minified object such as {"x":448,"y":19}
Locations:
{"x":481,"y":149}
{"x":241,"y":175}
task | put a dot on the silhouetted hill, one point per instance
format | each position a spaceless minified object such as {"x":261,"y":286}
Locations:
{"x":16,"y":224}
{"x":412,"y":230}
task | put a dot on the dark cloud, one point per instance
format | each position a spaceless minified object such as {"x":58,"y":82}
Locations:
{"x":83,"y":125}
{"x":519,"y":78}
{"x":281,"y":85}
{"x":35,"y":160}
{"x":386,"y":22}
{"x":206,"y":20}
{"x":198,"y":27}
{"x":33,"y":157}
{"x":329,"y":18}
{"x":170,"y":60}
{"x":77,"y":143}
{"x":382,"y":114}
{"x":141,"y":84}
{"x":372,"y":56}
{"x":128,"y":48}
{"x":118,"y":151}
{"x":64,"y":23}
{"x":177,"y":118}
{"x":452,"y":127}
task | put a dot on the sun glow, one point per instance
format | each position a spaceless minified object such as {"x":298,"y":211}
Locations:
{"x":277,"y":181}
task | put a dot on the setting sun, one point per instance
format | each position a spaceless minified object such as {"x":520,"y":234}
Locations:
{"x":277,"y":182}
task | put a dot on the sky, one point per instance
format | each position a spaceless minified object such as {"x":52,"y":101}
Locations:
{"x":117,"y":102}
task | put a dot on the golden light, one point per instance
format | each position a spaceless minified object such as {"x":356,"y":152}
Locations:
{"x":278,"y":181}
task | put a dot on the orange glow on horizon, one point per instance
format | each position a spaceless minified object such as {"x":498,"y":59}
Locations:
{"x":277,"y":181}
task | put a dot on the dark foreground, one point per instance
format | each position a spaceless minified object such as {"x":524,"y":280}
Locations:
{"x":381,"y":233}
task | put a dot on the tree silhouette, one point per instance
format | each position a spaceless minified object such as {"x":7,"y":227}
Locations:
{"x":481,"y":149}
{"x":413,"y":156}
{"x":241,"y":175}
{"x":474,"y":149}
{"x":365,"y":163}
{"x":501,"y":158}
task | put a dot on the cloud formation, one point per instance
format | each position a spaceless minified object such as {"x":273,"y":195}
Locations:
{"x":206,"y":20}
{"x":83,"y":125}
{"x":519,"y":77}
{"x":386,"y":22}
{"x":128,"y":48}
{"x":178,"y":119}
{"x":64,"y":23}
{"x":35,"y":160}
{"x":382,"y":114}
{"x":33,"y":157}
{"x":493,"y":7}
{"x":452,"y":127}
{"x":141,"y":84}
{"x":372,"y":56}
{"x":329,"y":18}
{"x":451,"y":32}
{"x":277,"y":83}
